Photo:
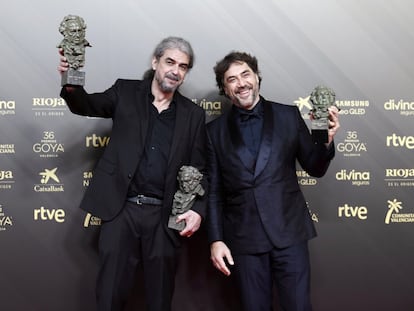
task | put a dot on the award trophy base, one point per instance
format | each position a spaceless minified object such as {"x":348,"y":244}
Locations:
{"x":172,"y":224}
{"x":320,"y":130}
{"x":73,"y":77}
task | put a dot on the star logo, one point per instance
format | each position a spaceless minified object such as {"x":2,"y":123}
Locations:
{"x":48,"y":174}
{"x":303,"y":102}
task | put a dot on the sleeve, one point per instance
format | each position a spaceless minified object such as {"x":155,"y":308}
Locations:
{"x":93,"y":105}
{"x":215,"y":203}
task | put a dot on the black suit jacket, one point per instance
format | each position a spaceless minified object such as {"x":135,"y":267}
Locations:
{"x":125,"y":102}
{"x":238,"y":184}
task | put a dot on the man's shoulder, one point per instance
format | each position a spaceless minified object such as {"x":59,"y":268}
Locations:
{"x":187,"y":103}
{"x":280,"y":106}
{"x":128,"y":82}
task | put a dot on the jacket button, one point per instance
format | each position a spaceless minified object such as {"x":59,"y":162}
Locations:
{"x":129,"y":176}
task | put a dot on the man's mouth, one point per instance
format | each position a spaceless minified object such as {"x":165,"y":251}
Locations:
{"x":172,"y":77}
{"x":244,"y":92}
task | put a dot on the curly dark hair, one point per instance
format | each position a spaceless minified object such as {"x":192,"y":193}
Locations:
{"x":234,"y":57}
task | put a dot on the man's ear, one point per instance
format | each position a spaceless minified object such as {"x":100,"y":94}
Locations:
{"x":154,"y":63}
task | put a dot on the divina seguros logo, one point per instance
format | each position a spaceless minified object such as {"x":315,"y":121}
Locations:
{"x":405,"y":108}
{"x":212,"y":108}
{"x":357,"y":178}
{"x":7,"y":107}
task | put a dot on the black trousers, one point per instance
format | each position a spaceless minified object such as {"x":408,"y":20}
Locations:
{"x":135,"y":237}
{"x":286,"y":268}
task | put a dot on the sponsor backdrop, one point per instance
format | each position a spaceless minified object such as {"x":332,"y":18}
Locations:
{"x":363,"y":258}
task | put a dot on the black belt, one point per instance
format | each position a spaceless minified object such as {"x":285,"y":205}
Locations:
{"x":142,"y":199}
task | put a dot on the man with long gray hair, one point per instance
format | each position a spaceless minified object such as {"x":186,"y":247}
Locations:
{"x":155,"y":131}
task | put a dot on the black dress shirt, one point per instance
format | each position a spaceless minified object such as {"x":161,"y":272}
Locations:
{"x":150,"y":176}
{"x":251,"y":126}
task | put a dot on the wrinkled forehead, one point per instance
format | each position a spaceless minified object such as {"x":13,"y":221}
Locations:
{"x":237,"y":68}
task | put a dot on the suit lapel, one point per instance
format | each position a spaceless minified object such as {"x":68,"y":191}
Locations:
{"x":181,"y":120}
{"x":266,"y":141}
{"x":142,"y":108}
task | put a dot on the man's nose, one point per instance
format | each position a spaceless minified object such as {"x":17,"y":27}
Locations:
{"x":241,"y":82}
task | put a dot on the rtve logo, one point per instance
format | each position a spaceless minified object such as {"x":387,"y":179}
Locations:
{"x":42,"y":213}
{"x":360,"y":212}
{"x":395,"y":140}
{"x":96,"y":141}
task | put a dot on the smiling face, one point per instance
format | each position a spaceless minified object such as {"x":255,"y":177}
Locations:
{"x":170,"y":69}
{"x":241,"y":85}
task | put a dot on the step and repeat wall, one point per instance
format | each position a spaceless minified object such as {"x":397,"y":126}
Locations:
{"x":363,"y":208}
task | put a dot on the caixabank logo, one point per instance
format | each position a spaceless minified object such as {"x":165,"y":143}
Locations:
{"x":48,"y":107}
{"x":7,"y":107}
{"x":395,"y":215}
{"x":404,"y":108}
{"x":352,"y":146}
{"x":49,"y":181}
{"x":304,"y":106}
{"x":6,"y":221}
{"x":48,"y":146}
{"x":399,"y":177}
{"x":6,"y":179}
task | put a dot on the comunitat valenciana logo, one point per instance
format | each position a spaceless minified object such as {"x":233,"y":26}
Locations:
{"x":91,"y":220}
{"x":7,"y":149}
{"x":394,"y":214}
